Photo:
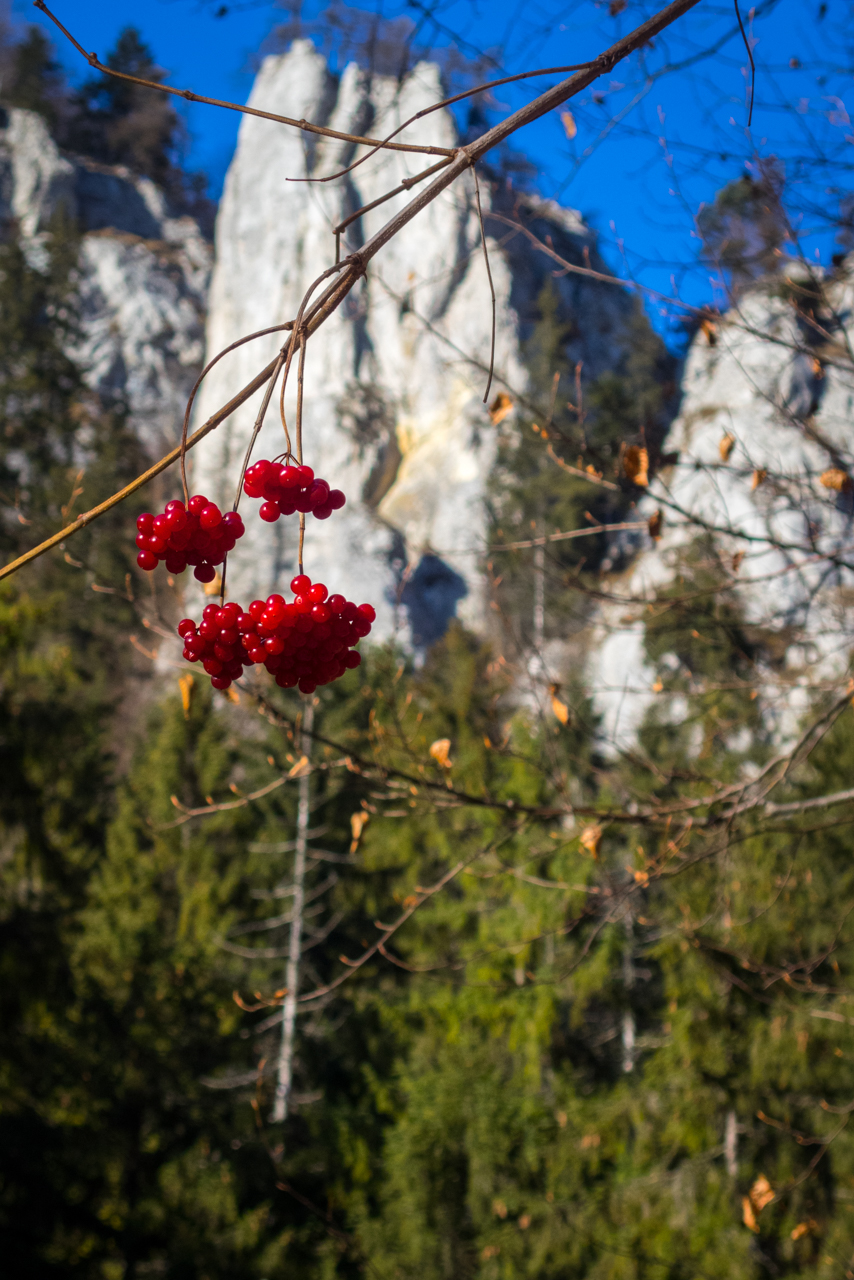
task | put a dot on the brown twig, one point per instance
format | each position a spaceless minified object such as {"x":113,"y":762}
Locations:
{"x":491,"y":285}
{"x":189,"y":96}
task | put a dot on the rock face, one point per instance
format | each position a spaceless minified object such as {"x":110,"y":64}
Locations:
{"x":143,"y":273}
{"x":784,"y":398}
{"x":395,"y":379}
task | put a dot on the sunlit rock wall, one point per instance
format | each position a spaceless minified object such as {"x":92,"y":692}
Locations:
{"x":395,"y":379}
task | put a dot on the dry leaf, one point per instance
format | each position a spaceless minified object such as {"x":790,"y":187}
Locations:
{"x":500,"y":407}
{"x":726,"y":447}
{"x":655,"y":525}
{"x":570,"y":128}
{"x":490,"y":1251}
{"x":301,"y":767}
{"x":817,"y":369}
{"x":590,"y":1140}
{"x":636,"y":464}
{"x":232,"y":695}
{"x":561,"y":1118}
{"x":748,"y":1217}
{"x":642,"y":877}
{"x":658,"y":686}
{"x":439,"y":751}
{"x":800,"y":1230}
{"x":836,"y":479}
{"x":759,"y":475}
{"x":358,"y":821}
{"x":736,"y":561}
{"x":499,"y":1208}
{"x":524,"y":1222}
{"x":213,"y":588}
{"x":560,"y":709}
{"x":761,"y":1193}
{"x":710,"y":329}
{"x":185,"y":684}
{"x":589,"y":839}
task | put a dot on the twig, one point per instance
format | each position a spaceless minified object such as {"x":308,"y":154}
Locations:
{"x":491,"y":285}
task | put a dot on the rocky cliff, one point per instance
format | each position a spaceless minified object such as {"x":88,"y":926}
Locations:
{"x":768,"y":399}
{"x":142,"y":274}
{"x":395,"y":378}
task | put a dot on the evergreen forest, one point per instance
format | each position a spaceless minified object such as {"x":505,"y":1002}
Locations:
{"x":539,"y":1035}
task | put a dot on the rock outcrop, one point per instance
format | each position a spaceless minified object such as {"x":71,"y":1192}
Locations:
{"x":395,"y":379}
{"x":778,"y":393}
{"x":143,"y":272}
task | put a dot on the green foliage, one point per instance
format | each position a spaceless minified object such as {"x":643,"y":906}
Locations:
{"x":32,"y":77}
{"x":532,"y":495}
{"x":745,"y":227}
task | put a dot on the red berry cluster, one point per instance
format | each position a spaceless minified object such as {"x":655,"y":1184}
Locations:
{"x":288,"y":489}
{"x":198,"y":534}
{"x":304,"y":643}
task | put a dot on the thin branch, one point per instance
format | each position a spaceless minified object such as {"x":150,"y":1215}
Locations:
{"x":305,"y":125}
{"x":491,"y":285}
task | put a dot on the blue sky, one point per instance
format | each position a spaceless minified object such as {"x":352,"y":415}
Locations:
{"x":640,"y":181}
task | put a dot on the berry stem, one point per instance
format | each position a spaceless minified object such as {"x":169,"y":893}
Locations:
{"x":259,"y":421}
{"x":300,"y":381}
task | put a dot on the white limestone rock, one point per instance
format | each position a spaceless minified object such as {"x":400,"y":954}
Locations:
{"x":395,"y":378}
{"x":142,"y":274}
{"x":756,"y":385}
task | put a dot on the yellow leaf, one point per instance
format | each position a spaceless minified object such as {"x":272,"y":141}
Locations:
{"x":655,"y":524}
{"x":590,"y":838}
{"x":301,"y":767}
{"x":358,"y":821}
{"x":657,"y":687}
{"x":439,"y":751}
{"x":800,"y":1230}
{"x":213,"y":588}
{"x":759,"y":475}
{"x":500,"y":407}
{"x":636,"y":464}
{"x":185,"y":684}
{"x":748,"y":1217}
{"x":642,"y":877}
{"x":570,"y":128}
{"x":761,"y":1193}
{"x":710,"y":329}
{"x":232,"y":694}
{"x":561,"y":710}
{"x":836,"y":479}
{"x":726,"y":447}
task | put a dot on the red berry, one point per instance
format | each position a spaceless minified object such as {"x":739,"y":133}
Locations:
{"x":305,"y":475}
{"x":210,"y":516}
{"x":176,"y":563}
{"x":186,"y":627}
{"x":322,"y":513}
{"x":147,"y":560}
{"x":336,"y":603}
{"x":145,"y":522}
{"x":336,"y":499}
{"x":368,"y":612}
{"x":197,"y":504}
{"x":269,"y":512}
{"x":157,"y":545}
{"x":289,"y":477}
{"x":204,"y":572}
{"x":320,"y":613}
{"x":300,"y":583}
{"x":233,"y":521}
{"x":306,"y":685}
{"x":257,"y":655}
{"x":352,"y":659}
{"x":256,"y":609}
{"x":221,"y":682}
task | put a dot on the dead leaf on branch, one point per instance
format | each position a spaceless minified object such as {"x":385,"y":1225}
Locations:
{"x":560,"y":709}
{"x":589,"y":839}
{"x":301,"y":767}
{"x":185,"y":684}
{"x":440,"y":750}
{"x":500,"y":407}
{"x":748,"y":1217}
{"x":655,"y":524}
{"x":636,"y":464}
{"x":759,"y":476}
{"x":837,"y":479}
{"x":570,"y":128}
{"x":803,"y":1229}
{"x":726,"y":447}
{"x":759,"y":1195}
{"x":358,"y":821}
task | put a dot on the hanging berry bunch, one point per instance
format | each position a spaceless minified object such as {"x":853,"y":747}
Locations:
{"x":305,"y":642}
{"x":198,"y":534}
{"x":288,"y":489}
